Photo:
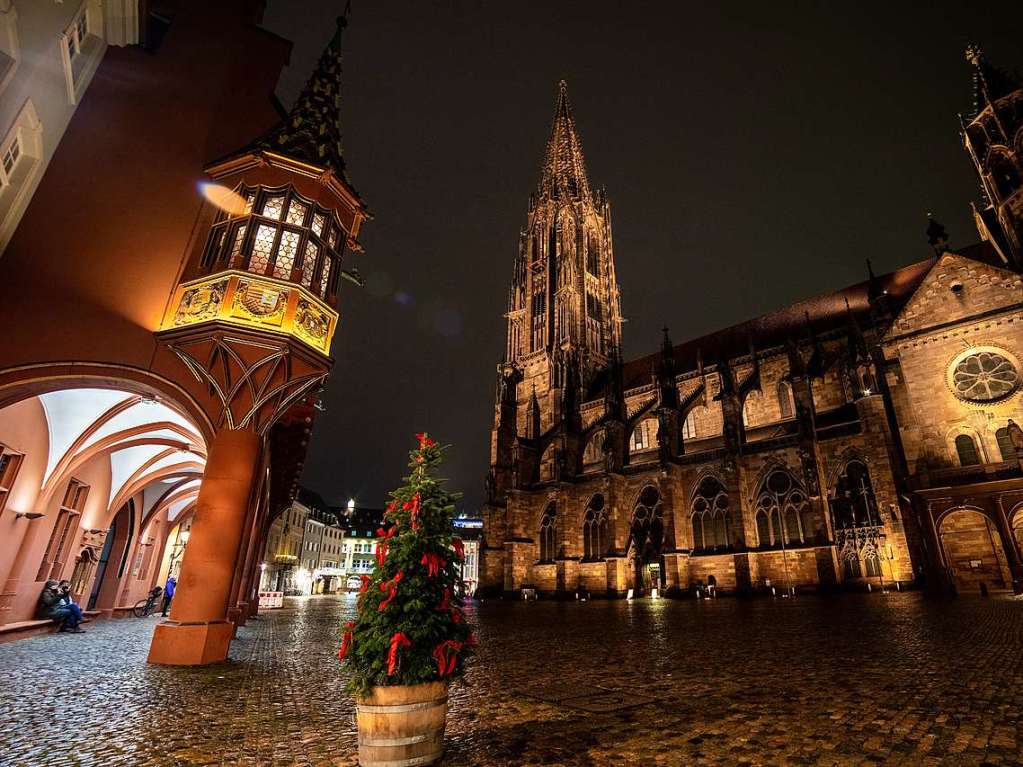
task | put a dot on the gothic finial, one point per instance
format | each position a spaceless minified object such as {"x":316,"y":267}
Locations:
{"x":937,"y":236}
{"x":666,"y":347}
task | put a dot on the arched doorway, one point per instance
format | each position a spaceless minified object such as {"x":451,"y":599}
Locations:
{"x":114,"y":559}
{"x":973,"y":550}
{"x":646,"y":543}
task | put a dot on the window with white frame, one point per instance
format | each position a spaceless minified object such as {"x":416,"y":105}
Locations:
{"x":81,"y":47}
{"x":21,"y":150}
{"x":8,"y":43}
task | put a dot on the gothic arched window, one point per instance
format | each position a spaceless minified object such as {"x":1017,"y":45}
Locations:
{"x":647,"y":519}
{"x":750,"y":409}
{"x":593,"y":256}
{"x":966,"y":449}
{"x":785,"y":405}
{"x":712,"y":521}
{"x":689,"y":426}
{"x":786,"y":512}
{"x":595,"y":541}
{"x":644,"y":436}
{"x":1003,"y":175}
{"x":854,"y":503}
{"x":547,"y":538}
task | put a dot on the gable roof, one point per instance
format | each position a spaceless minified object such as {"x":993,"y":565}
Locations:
{"x":827,"y":312}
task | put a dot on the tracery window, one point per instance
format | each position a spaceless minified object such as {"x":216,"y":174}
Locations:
{"x":647,"y":519}
{"x":750,"y":408}
{"x":644,"y":435}
{"x":547,"y":538}
{"x":711,"y":519}
{"x":966,"y":449}
{"x":983,"y":375}
{"x":854,"y":503}
{"x":783,"y":511}
{"x":538,"y":313}
{"x":592,"y":256}
{"x":278,"y":233}
{"x":595,"y":541}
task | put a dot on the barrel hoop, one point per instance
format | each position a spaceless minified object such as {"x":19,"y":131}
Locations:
{"x":412,"y":762}
{"x":368,"y":709}
{"x":366,"y":740}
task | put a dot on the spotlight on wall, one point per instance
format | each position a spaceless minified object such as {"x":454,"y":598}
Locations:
{"x":28,"y":515}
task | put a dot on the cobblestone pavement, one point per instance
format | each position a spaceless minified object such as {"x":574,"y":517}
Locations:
{"x":864,"y":679}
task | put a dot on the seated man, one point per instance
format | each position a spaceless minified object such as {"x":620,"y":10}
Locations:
{"x":67,"y":601}
{"x":52,"y":607}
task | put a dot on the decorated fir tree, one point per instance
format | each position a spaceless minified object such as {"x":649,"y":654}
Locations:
{"x":410,"y":628}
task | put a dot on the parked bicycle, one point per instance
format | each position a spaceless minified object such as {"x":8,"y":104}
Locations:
{"x":146,"y":607}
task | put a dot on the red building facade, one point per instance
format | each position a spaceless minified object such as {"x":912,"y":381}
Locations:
{"x":168,"y":304}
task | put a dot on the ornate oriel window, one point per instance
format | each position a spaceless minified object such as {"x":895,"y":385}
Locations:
{"x":595,"y":540}
{"x":984,"y":374}
{"x":547,"y":538}
{"x":712,"y":521}
{"x":278,"y":233}
{"x":783,"y":511}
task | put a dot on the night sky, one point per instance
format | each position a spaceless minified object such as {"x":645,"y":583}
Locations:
{"x":754,"y":154}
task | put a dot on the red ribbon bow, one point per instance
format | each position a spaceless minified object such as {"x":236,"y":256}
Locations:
{"x":444,"y":603}
{"x":456,"y":615}
{"x":365,"y":583}
{"x":412,"y":506}
{"x":432,"y":562}
{"x":424,"y":440}
{"x":459,"y":547}
{"x":398,"y":641}
{"x":446,"y":655}
{"x":346,"y":640}
{"x":392,"y":587}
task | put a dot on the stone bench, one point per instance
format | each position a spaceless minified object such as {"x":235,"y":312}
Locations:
{"x":21,"y":629}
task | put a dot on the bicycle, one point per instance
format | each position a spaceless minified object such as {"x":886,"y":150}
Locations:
{"x":146,"y":607}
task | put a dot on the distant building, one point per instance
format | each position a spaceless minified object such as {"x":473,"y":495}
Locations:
{"x":358,"y":546}
{"x":470,"y":530}
{"x":283,"y":554}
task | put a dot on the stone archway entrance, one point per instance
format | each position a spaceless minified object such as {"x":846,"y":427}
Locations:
{"x":646,"y":542}
{"x":973,"y":551}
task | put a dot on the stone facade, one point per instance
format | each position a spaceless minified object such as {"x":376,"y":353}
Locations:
{"x":819,"y":446}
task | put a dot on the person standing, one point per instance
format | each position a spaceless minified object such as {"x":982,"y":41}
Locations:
{"x":168,"y":594}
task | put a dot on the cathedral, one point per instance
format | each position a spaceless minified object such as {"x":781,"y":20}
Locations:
{"x":865,"y":437}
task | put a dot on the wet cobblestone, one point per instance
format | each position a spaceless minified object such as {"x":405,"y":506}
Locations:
{"x":855,"y":680}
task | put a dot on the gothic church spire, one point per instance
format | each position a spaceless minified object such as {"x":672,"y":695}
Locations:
{"x":311,"y":132}
{"x":564,"y":172}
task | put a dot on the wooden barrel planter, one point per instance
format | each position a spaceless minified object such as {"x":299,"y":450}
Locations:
{"x":402,"y":726}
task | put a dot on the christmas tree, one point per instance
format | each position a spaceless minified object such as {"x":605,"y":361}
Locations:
{"x":410,"y":628}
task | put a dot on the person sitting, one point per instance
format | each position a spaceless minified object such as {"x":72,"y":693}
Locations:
{"x":52,"y":607}
{"x":67,"y":601}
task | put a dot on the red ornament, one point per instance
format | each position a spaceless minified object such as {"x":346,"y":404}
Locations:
{"x":456,"y":615}
{"x":412,"y":506}
{"x":424,"y":441}
{"x":381,"y":552}
{"x":446,"y":655}
{"x":432,"y":562}
{"x":398,"y":641}
{"x":365,"y":584}
{"x":459,"y":547}
{"x":346,"y":640}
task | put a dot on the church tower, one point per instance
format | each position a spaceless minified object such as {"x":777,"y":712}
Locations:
{"x":994,"y":139}
{"x":563,"y":307}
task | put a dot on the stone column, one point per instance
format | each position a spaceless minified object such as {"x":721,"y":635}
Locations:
{"x":1009,"y":546}
{"x":198,"y":631}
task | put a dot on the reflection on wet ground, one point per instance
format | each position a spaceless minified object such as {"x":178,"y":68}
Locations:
{"x":859,"y":679}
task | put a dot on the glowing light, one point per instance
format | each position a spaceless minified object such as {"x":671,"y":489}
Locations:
{"x":226,"y":199}
{"x":351,"y":503}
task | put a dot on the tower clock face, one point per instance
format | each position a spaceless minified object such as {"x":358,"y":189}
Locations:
{"x":984,"y":374}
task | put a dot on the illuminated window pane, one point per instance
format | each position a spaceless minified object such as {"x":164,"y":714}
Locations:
{"x":11,"y":155}
{"x":296,"y":212}
{"x":333,"y":237}
{"x":236,"y":245}
{"x":261,"y":248}
{"x":312,"y":250}
{"x":250,"y":199}
{"x":324,"y":277}
{"x":83,"y":27}
{"x":273,"y":207}
{"x":286,"y":255}
{"x":318,"y":221}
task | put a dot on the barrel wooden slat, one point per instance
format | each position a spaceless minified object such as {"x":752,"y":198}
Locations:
{"x":402,"y":726}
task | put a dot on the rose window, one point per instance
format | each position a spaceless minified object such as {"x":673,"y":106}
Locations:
{"x":983,"y":376}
